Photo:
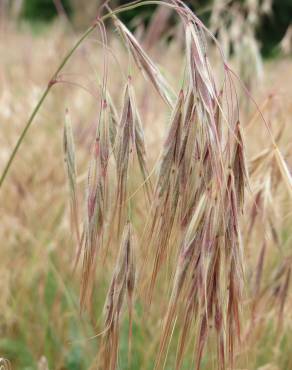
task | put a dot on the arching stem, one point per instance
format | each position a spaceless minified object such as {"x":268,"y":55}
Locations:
{"x":62,"y":64}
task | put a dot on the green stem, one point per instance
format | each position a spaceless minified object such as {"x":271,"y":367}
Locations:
{"x":21,"y":137}
{"x":62,"y":64}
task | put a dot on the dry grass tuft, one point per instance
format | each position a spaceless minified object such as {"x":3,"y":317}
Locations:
{"x":195,"y":206}
{"x":182,"y":252}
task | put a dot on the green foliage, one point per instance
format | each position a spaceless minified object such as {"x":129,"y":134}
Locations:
{"x":273,"y":27}
{"x":17,"y":351}
{"x":43,"y":10}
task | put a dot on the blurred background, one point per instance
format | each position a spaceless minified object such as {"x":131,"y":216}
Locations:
{"x":270,"y":19}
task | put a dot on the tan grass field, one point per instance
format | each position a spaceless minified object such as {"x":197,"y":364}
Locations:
{"x":40,"y":322}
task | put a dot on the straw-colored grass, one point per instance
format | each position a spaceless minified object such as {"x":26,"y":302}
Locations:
{"x":172,"y":211}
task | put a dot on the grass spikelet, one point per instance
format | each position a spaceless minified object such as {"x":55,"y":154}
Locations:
{"x":113,"y":123}
{"x":197,"y":67}
{"x":122,"y":284}
{"x":239,"y":167}
{"x":165,"y":200}
{"x":139,"y":144}
{"x":186,"y":147}
{"x":70,"y":163}
{"x":145,"y":64}
{"x":171,"y":147}
{"x":130,"y":283}
{"x":130,"y":141}
{"x":103,"y":136}
{"x":96,"y":203}
{"x":208,"y":100}
{"x":69,"y":151}
{"x":235,"y":273}
{"x":125,"y":141}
